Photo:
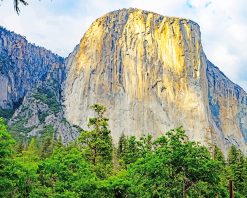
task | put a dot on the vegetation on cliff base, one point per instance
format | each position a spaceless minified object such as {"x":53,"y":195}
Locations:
{"x":90,"y":166}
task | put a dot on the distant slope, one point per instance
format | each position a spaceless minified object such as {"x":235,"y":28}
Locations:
{"x":24,"y":66}
{"x":228,"y":105}
{"x":31,"y":80}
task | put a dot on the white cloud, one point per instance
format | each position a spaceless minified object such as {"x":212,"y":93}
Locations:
{"x":59,"y":25}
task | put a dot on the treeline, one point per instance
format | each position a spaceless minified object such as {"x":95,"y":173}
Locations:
{"x":170,"y":166}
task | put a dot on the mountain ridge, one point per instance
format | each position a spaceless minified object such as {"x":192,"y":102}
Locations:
{"x":147,"y":69}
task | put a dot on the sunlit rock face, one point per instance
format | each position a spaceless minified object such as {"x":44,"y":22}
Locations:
{"x":147,"y":69}
{"x":151,"y":73}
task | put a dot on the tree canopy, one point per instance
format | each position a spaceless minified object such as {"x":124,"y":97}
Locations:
{"x":92,"y":166}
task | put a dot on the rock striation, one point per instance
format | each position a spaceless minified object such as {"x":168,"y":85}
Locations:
{"x":151,"y":73}
{"x":31,"y":80}
{"x":228,"y":107}
{"x":24,"y":66}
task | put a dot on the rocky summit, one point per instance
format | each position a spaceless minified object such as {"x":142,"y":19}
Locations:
{"x":150,"y":71}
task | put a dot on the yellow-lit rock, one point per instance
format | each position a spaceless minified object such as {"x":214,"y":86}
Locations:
{"x":148,"y":70}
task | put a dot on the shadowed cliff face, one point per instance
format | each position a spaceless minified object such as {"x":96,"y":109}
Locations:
{"x":228,"y":105}
{"x":150,"y":71}
{"x":24,"y":66}
{"x":31,"y":81}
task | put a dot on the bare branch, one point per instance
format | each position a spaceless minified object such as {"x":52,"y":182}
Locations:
{"x":16,"y":5}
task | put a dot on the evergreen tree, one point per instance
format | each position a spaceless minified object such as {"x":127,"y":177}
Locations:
{"x":145,"y":145}
{"x":244,"y":190}
{"x":130,"y":149}
{"x":224,"y":181}
{"x":27,"y":162}
{"x":65,"y":174}
{"x":177,"y":168}
{"x":132,"y":152}
{"x":6,"y":161}
{"x":122,"y":146}
{"x":31,"y":153}
{"x":97,"y":143}
{"x":218,"y":155}
{"x":236,"y":168}
{"x":20,"y":147}
{"x":46,"y":147}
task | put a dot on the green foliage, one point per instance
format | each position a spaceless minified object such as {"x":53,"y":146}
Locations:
{"x":42,"y":116}
{"x":170,"y":166}
{"x":65,"y":174}
{"x":130,"y":149}
{"x":46,"y":141}
{"x":27,"y":164}
{"x":237,"y":169}
{"x":176,"y":168}
{"x":6,"y":151}
{"x":18,"y":130}
{"x":96,"y":145}
{"x":46,"y":147}
{"x":218,"y":155}
{"x":15,"y":178}
{"x":48,"y":97}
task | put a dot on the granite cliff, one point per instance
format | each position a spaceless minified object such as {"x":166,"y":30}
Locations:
{"x":228,"y":108}
{"x":152,"y":74}
{"x":31,"y":79}
{"x":150,"y":71}
{"x":24,"y":66}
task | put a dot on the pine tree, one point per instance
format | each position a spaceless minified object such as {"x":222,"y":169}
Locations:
{"x":145,"y":145}
{"x":46,"y":147}
{"x":31,"y":153}
{"x":244,"y":190}
{"x":6,"y":160}
{"x":236,"y":167}
{"x":122,"y":145}
{"x":132,"y":152}
{"x":97,"y":143}
{"x":20,"y":147}
{"x":218,"y":155}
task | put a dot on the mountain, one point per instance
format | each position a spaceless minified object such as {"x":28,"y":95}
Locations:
{"x":152,"y":74}
{"x":150,"y":71}
{"x":31,"y":81}
{"x":25,"y":66}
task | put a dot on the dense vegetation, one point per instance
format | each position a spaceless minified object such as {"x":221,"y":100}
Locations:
{"x":90,"y":166}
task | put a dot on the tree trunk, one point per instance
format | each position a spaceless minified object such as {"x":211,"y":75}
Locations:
{"x":231,"y":189}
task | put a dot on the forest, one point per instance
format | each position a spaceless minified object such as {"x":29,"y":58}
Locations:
{"x":92,"y":166}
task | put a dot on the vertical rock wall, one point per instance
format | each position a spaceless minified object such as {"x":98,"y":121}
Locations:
{"x":228,"y":105}
{"x":24,"y":66}
{"x":148,"y":70}
{"x":152,"y":74}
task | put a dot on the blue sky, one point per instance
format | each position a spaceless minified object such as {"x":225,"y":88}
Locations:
{"x":59,"y":25}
